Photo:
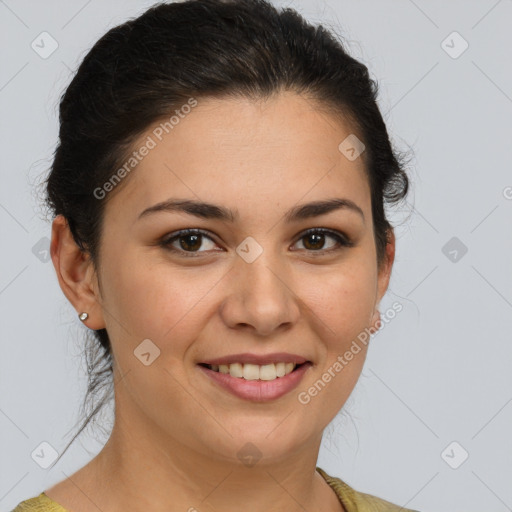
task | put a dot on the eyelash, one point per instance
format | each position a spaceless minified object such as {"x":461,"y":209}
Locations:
{"x":341,"y":239}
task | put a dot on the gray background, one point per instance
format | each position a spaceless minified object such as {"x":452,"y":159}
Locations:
{"x":438,"y":373}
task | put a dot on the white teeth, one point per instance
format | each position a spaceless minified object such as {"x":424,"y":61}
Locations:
{"x":280,"y":369}
{"x":236,"y":370}
{"x":254,"y":372}
{"x":251,"y":372}
{"x":268,"y":372}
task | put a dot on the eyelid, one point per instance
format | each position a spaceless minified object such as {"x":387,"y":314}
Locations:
{"x":328,"y":231}
{"x":168,"y":239}
{"x":341,"y":238}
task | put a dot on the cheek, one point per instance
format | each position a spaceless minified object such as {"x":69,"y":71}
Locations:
{"x":343,"y":305}
{"x":343,"y":299}
{"x":157,"y":301}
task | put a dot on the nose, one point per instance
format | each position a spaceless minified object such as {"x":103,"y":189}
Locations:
{"x":260,"y":299}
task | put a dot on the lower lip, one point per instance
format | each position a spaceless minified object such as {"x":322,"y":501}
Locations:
{"x":258,"y":390}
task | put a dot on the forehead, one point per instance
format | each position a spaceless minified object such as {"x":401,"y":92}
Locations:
{"x":244,"y":151}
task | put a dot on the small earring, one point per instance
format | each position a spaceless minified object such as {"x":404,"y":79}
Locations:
{"x":83,"y":316}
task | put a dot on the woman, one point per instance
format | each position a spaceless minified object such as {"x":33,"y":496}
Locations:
{"x":218,"y":193}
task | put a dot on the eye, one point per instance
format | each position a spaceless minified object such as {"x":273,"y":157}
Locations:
{"x":315,"y":240}
{"x":189,"y":240}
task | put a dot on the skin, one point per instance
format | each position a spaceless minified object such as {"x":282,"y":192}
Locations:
{"x":176,"y":436}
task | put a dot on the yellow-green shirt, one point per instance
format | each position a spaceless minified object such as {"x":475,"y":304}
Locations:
{"x":352,"y":500}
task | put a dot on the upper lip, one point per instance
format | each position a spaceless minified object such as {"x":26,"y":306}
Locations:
{"x":277,"y":357}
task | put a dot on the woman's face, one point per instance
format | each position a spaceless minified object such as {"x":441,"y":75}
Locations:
{"x":252,"y":283}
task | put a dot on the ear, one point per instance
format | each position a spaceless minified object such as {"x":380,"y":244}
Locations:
{"x":76,"y":274}
{"x":384,"y":274}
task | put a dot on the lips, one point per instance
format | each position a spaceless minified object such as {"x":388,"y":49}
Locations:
{"x":256,"y":390}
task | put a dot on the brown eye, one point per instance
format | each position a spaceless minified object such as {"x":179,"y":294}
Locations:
{"x":190,"y":241}
{"x":315,"y":240}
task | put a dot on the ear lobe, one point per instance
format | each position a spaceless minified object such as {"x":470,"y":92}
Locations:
{"x":375,"y":321}
{"x":75,"y":273}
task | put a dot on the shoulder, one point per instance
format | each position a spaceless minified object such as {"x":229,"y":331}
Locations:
{"x":352,"y":500}
{"x":41,"y":503}
{"x":355,"y":501}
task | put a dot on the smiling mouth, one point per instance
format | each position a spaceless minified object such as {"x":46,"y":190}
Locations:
{"x":248,"y":371}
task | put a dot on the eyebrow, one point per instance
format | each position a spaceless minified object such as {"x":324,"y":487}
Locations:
{"x":211,"y":211}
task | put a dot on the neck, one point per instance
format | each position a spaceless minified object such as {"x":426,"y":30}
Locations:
{"x":141,"y":468}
